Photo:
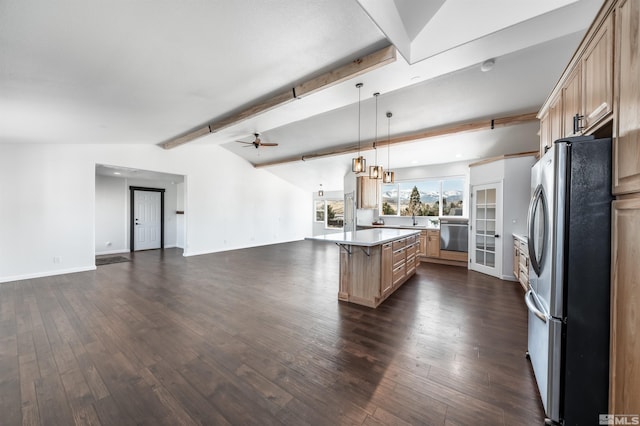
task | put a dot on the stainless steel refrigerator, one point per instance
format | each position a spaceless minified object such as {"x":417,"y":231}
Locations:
{"x":569,"y":230}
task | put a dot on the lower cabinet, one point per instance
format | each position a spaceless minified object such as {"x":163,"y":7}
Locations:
{"x":624,"y":375}
{"x":433,"y":243}
{"x":521,"y":262}
{"x":386,"y":265}
{"x":516,"y":257}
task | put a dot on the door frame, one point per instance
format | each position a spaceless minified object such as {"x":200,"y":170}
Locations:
{"x":132,"y":190}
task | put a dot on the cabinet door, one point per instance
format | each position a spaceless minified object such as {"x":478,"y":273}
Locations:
{"x":626,"y":142}
{"x":433,"y":243}
{"x":624,"y":375}
{"x":545,"y":132}
{"x":516,"y":258}
{"x":571,"y":102}
{"x":597,"y":76}
{"x":422,"y":248}
{"x":387,"y":269}
{"x":367,"y":193}
{"x":555,"y":121}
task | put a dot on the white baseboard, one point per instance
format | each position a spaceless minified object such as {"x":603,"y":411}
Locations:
{"x":46,"y":274}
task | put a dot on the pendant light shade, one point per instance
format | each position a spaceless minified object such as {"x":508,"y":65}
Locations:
{"x":375,"y":171}
{"x":359,"y":163}
{"x":320,"y":191}
{"x":388,"y":176}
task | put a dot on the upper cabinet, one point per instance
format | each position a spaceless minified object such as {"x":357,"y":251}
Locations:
{"x":582,"y":102}
{"x":367,"y":189}
{"x":626,"y":142}
{"x":597,"y":75}
{"x":571,"y":103}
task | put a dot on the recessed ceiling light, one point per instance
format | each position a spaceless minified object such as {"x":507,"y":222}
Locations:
{"x":458,"y":155}
{"x":414,"y":162}
{"x":116,"y":173}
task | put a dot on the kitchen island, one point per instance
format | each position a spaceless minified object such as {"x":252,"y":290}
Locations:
{"x":373,"y":262}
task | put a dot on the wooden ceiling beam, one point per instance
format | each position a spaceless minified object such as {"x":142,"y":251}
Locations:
{"x":425,"y":134}
{"x":324,"y":81}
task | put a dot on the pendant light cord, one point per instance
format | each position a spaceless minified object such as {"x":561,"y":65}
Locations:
{"x":359,"y":85}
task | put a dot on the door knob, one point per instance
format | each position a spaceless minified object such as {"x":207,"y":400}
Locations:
{"x":497,"y":236}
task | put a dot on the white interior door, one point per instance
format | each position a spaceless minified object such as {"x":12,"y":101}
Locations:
{"x":486,"y":222}
{"x":147,"y":221}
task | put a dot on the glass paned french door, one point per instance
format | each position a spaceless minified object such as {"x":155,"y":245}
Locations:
{"x":486,"y":245}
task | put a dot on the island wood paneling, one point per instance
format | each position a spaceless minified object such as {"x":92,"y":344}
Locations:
{"x":257,"y":337}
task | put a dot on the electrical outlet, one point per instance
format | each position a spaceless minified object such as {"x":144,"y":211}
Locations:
{"x":57,"y":259}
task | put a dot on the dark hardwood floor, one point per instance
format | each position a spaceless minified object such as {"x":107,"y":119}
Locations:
{"x":257,"y":336}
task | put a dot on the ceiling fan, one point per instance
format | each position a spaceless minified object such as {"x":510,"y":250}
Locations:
{"x":257,"y":143}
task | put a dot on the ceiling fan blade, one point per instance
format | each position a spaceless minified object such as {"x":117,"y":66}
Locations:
{"x":247,"y":143}
{"x":268,"y":144}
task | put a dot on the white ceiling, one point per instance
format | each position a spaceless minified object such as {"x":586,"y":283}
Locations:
{"x":144,"y":72}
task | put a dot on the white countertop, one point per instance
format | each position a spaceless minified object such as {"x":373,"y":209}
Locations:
{"x":520,"y":237}
{"x":366,"y":237}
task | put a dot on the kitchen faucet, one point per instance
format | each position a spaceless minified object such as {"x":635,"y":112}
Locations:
{"x":413,"y":216}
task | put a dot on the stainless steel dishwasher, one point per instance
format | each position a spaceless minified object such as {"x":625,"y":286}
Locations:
{"x":454,"y":234}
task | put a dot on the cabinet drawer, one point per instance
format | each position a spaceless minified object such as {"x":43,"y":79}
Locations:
{"x":398,"y":274}
{"x":412,"y":249}
{"x":387,"y":245}
{"x":411,"y":239}
{"x":524,"y":273}
{"x":399,"y":244}
{"x":399,"y":256}
{"x":524,"y":248}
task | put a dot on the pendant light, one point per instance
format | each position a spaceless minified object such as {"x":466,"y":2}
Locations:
{"x":359,"y":164}
{"x":388,"y":176}
{"x":375,"y":171}
{"x":320,"y":192}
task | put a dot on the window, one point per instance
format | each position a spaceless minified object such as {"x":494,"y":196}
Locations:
{"x":330,"y":212}
{"x":319,"y":211}
{"x":427,"y":197}
{"x":335,"y":214}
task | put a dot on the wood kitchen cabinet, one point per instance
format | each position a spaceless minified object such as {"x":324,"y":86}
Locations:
{"x":571,"y":102}
{"x":521,"y":261}
{"x":367,"y":189}
{"x":582,"y":101}
{"x":551,"y":125}
{"x":433,"y":243}
{"x":597,"y":76}
{"x":615,"y":33}
{"x":624,"y":375}
{"x":516,"y":258}
{"x":386,"y":265}
{"x":422,"y":245}
{"x":626,"y":141}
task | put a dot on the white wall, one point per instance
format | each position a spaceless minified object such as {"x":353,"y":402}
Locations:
{"x":111,"y":215}
{"x":47,"y":203}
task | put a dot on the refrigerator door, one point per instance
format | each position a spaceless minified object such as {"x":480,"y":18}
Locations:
{"x":540,"y":230}
{"x":545,"y":350}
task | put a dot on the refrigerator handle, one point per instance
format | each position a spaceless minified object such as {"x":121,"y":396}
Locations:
{"x":538,"y":197}
{"x":531,"y":305}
